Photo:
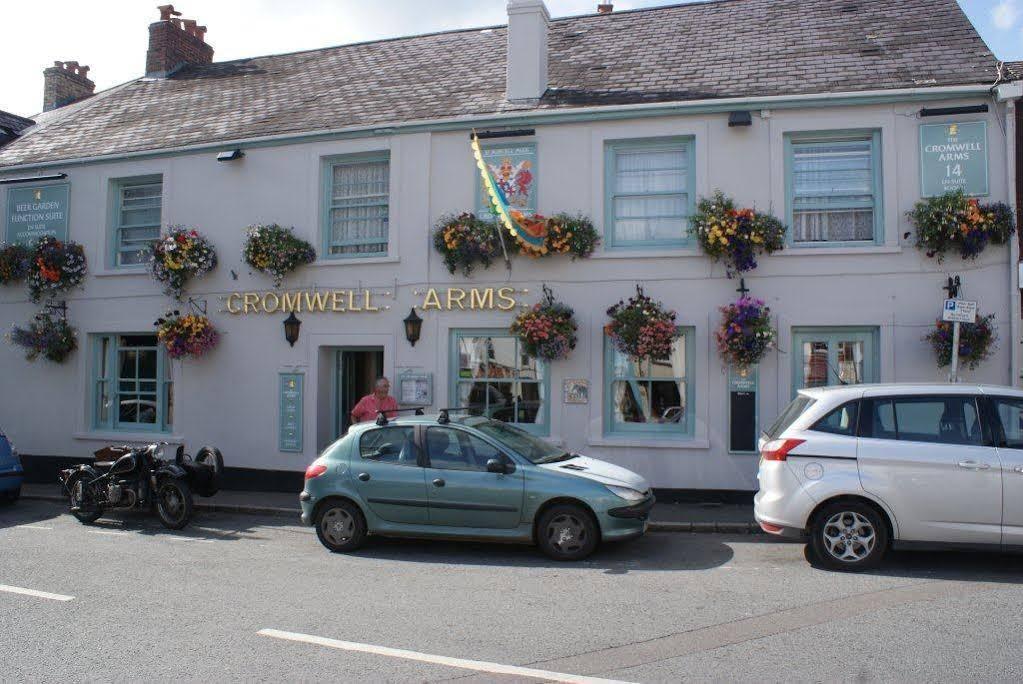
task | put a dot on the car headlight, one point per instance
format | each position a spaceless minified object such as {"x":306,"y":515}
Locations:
{"x":626,"y":493}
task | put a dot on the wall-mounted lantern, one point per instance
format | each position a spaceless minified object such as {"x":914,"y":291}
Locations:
{"x":413,"y":327}
{"x":739,"y":118}
{"x":291,"y":326}
{"x":230,"y":155}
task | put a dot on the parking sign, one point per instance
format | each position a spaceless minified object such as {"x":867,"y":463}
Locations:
{"x":959,"y":311}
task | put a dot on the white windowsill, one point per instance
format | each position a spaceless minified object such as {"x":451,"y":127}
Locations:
{"x":115,"y":437}
{"x":838,"y":251}
{"x":116,"y":272}
{"x":650,"y":443}
{"x":355,"y":261}
{"x":651,"y":253}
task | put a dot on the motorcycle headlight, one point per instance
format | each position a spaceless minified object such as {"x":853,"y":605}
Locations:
{"x":626,"y":493}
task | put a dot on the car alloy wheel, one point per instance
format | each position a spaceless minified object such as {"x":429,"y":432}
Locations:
{"x":567,"y":534}
{"x":338,"y":526}
{"x":849,"y":537}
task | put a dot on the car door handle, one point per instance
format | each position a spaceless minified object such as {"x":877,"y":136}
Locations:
{"x":364,"y":476}
{"x":973,"y":465}
{"x":438,"y":482}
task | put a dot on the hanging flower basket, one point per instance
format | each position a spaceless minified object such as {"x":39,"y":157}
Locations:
{"x":546,"y":331}
{"x":642,"y":328}
{"x":566,"y":234}
{"x":55,"y":267}
{"x":976,"y":341}
{"x":47,"y":336}
{"x":15,"y":261}
{"x":745,"y":334}
{"x":955,"y":222}
{"x":465,"y":241}
{"x":179,"y":256}
{"x":735,"y":236}
{"x":276,"y":251}
{"x":189,"y":335}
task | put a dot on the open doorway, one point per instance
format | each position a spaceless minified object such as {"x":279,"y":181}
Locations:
{"x":356,"y":370}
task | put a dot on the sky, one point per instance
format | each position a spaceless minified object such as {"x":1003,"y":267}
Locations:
{"x":111,"y":36}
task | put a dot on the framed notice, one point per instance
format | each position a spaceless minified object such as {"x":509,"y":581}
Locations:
{"x":513,"y":167}
{"x":415,"y":389}
{"x":37,"y":211}
{"x":953,"y":156}
{"x":743,"y":422}
{"x":290,"y":418}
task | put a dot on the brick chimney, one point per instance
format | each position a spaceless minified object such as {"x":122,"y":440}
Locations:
{"x":174,"y":43}
{"x":64,"y":83}
{"x":528,"y":21}
{"x":605,"y":8}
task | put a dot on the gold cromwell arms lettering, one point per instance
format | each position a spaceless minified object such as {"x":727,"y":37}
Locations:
{"x":479,"y":299}
{"x":338,"y":301}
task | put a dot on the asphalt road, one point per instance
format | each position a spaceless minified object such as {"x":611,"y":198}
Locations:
{"x":136,"y":602}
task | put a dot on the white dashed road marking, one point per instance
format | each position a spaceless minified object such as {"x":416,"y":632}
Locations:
{"x":112,"y":533}
{"x":37,"y":594}
{"x":34,"y":527}
{"x":189,"y":539}
{"x":477,"y":665}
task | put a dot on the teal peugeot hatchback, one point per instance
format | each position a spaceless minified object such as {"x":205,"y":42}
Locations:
{"x":468,"y":477}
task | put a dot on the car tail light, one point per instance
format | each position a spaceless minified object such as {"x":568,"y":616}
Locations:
{"x":778,"y":449}
{"x":315,"y":470}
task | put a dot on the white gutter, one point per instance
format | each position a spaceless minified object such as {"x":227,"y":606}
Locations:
{"x":723,"y":104}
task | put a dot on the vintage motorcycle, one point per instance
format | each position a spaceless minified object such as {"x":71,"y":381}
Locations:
{"x":139,"y":478}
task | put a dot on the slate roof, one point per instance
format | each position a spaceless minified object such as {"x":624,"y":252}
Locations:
{"x":12,"y":124}
{"x":1015,"y":70}
{"x":715,"y":49}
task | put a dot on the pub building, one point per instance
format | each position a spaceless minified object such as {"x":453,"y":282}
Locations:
{"x":834,"y":116}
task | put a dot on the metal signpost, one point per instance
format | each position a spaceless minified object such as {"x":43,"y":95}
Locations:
{"x":957,"y":311}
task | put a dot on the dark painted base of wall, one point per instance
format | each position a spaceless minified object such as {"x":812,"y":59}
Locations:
{"x":43,"y":469}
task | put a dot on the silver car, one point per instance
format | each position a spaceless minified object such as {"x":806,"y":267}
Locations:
{"x":856,"y":470}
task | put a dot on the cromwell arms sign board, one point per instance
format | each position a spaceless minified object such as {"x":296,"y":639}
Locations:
{"x":35,"y":212}
{"x":953,"y":157}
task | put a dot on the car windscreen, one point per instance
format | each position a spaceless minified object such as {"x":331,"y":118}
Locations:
{"x":789,"y":415}
{"x":518,"y":440}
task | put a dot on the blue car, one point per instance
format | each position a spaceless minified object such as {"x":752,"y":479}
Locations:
{"x":11,"y":473}
{"x":469,"y":477}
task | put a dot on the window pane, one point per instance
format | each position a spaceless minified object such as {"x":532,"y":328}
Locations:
{"x":639,"y":171}
{"x":666,"y":402}
{"x":815,"y":364}
{"x":128,"y":360}
{"x":630,"y":401}
{"x":1010,"y":412}
{"x":389,"y":445}
{"x":883,"y":426}
{"x":137,"y":341}
{"x":502,"y":362}
{"x":472,"y":357}
{"x":147,"y":364}
{"x":169,"y":412}
{"x":833,"y":191}
{"x":841,"y":421}
{"x":948,"y":420}
{"x":850,"y":362}
{"x":102,"y":403}
{"x":649,"y":193}
{"x":359,"y":208}
{"x":445,"y":451}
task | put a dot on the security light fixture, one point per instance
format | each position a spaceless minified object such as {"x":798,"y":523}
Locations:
{"x":742,"y":118}
{"x":291,"y":326}
{"x":413,"y":327}
{"x":229,"y":155}
{"x":949,"y":111}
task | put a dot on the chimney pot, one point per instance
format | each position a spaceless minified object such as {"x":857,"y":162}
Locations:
{"x":65,"y":83}
{"x":605,"y":8}
{"x":528,"y":23}
{"x":174,"y":43}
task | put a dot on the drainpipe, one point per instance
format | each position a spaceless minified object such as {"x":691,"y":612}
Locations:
{"x":1010,"y":93}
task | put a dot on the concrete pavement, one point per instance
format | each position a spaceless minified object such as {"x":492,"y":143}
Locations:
{"x":157,"y":605}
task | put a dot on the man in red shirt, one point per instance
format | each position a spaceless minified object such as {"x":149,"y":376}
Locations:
{"x":372,"y":404}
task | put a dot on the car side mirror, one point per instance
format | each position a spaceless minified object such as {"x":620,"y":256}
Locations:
{"x":497,"y":466}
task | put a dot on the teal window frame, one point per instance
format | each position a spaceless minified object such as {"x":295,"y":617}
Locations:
{"x":107,"y":372}
{"x":611,"y":150}
{"x":117,"y":187}
{"x":327,"y":205}
{"x":540,"y":429}
{"x":837,"y":136}
{"x":869,"y":335}
{"x":663,"y":430}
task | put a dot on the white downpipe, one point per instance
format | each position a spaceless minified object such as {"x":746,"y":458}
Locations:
{"x":1014,"y":265}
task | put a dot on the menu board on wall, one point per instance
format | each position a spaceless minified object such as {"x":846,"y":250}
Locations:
{"x":742,"y":410}
{"x":290,"y":430}
{"x":35,"y":212}
{"x":953,"y":156}
{"x":513,"y":167}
